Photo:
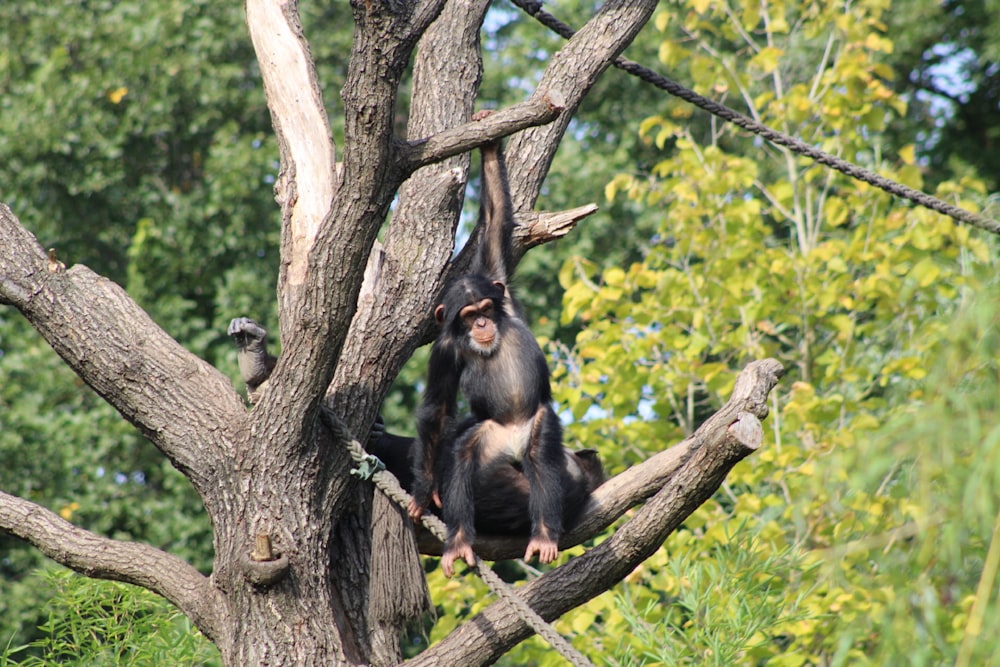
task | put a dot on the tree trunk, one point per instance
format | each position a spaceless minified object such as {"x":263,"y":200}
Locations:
{"x":283,"y":607}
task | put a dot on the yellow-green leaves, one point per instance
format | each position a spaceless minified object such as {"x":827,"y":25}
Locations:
{"x":767,"y":59}
{"x":761,"y":252}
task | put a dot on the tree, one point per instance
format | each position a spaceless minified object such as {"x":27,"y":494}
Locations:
{"x":351,"y":310}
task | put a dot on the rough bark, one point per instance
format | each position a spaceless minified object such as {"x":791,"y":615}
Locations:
{"x":174,"y":398}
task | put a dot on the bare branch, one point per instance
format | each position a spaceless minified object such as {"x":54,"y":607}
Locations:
{"x":182,"y":404}
{"x":540,"y":108}
{"x":103,"y":558}
{"x":723,"y":440}
{"x":306,"y":184}
{"x":534,"y":229}
{"x":319,"y":288}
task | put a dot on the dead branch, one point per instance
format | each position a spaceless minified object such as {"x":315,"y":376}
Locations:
{"x":535,"y":229}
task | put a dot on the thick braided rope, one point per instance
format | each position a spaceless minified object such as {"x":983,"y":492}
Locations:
{"x":389,"y":485}
{"x":534,"y":8}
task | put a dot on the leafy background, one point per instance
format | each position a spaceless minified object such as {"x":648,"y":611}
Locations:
{"x":135,"y":139}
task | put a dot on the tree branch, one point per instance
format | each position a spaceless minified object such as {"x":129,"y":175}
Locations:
{"x":534,"y":229}
{"x":182,"y":404}
{"x":540,"y":108}
{"x":306,"y":182}
{"x":318,"y":300}
{"x":722,"y":441}
{"x":103,"y":558}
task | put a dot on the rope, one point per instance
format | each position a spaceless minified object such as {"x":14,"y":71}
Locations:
{"x":534,"y":8}
{"x":389,"y":485}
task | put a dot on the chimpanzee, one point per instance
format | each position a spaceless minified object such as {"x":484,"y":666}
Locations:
{"x":501,"y":490}
{"x":486,"y":351}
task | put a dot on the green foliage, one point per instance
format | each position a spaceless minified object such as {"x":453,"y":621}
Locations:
{"x":934,"y":513}
{"x":724,"y":603}
{"x":135,"y":140}
{"x":947,"y":61}
{"x":763,"y":253}
{"x":91,"y":622}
